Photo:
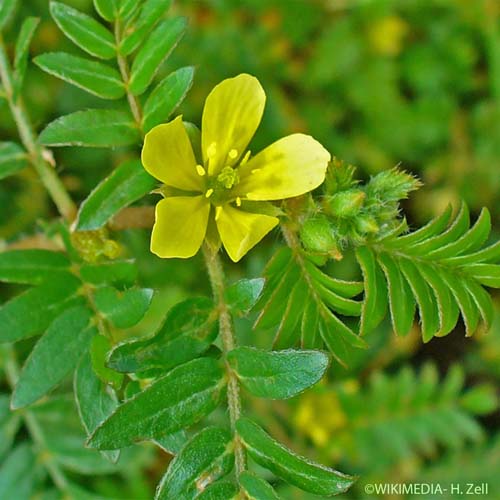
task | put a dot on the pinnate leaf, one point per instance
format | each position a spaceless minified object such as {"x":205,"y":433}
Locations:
{"x":12,"y":159}
{"x":256,"y":488}
{"x":244,"y":294}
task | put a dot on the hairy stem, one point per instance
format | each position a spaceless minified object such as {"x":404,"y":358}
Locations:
{"x":55,"y":472}
{"x":45,"y":171}
{"x":133,"y":102}
{"x":216,"y":275}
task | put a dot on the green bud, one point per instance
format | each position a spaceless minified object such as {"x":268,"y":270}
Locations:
{"x":317,"y":236}
{"x":346,"y":203}
{"x":366,"y":224}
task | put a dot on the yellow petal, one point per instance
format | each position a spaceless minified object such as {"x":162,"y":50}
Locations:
{"x":180,"y":226}
{"x":167,"y":155}
{"x":232,"y":113}
{"x":289,"y":167}
{"x":240,"y":231}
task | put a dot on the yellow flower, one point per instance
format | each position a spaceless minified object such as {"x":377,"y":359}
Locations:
{"x":216,"y":184}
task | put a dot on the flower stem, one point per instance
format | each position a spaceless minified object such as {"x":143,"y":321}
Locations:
{"x":45,"y":171}
{"x":55,"y":472}
{"x":216,"y":275}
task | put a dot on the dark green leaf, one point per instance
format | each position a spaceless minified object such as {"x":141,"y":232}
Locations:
{"x":123,"y":309}
{"x":155,"y":50}
{"x":123,"y":186}
{"x":12,"y":159}
{"x":17,"y":474}
{"x":296,"y":470}
{"x":277,"y":374}
{"x":9,"y":425}
{"x":95,"y":400}
{"x":99,"y":352}
{"x":151,"y":12}
{"x":256,"y":488}
{"x":114,"y":272}
{"x":91,"y":128}
{"x":84,"y":31}
{"x":107,"y":9}
{"x":22,"y":48}
{"x":221,"y":490}
{"x":207,"y":457}
{"x":41,"y":305}
{"x":179,"y":399}
{"x":189,"y":329}
{"x":6,"y":10}
{"x":244,"y":294}
{"x":54,"y":356}
{"x":31,"y":266}
{"x":92,"y":76}
{"x":172,"y":443}
{"x":165,"y":98}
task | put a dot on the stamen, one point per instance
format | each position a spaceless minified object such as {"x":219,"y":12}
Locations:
{"x":233,"y":154}
{"x":218,"y":210}
{"x":209,"y":193}
{"x":201,"y":171}
{"x":245,"y":158}
{"x":212,"y":150}
{"x":238,"y":201}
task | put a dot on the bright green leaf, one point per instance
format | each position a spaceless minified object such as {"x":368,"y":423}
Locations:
{"x":208,"y":456}
{"x":221,"y":490}
{"x":92,"y":76}
{"x":107,"y":9}
{"x":165,"y":98}
{"x":294,"y":469}
{"x":256,"y":488}
{"x":6,"y":10}
{"x":41,"y":305}
{"x":31,"y":266}
{"x":84,"y":31}
{"x":155,"y":50}
{"x":99,"y":351}
{"x":277,"y":374}
{"x":244,"y":294}
{"x":9,"y":425}
{"x":17,"y":474}
{"x":91,"y":128}
{"x":123,"y":309}
{"x":22,"y":48}
{"x":112,"y":272}
{"x":54,"y":356}
{"x":123,"y":186}
{"x":172,"y":443}
{"x":179,"y":399}
{"x":13,"y":159}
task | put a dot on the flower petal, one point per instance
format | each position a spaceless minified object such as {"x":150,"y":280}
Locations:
{"x":180,"y":226}
{"x":289,"y":167}
{"x":232,"y":113}
{"x":240,"y":231}
{"x":167,"y":155}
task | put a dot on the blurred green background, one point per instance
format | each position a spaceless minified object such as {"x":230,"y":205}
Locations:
{"x":414,"y":83}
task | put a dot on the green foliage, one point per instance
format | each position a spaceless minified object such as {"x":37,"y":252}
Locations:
{"x":12,"y":159}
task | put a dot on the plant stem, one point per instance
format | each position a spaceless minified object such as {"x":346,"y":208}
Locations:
{"x":133,"y":102}
{"x":45,"y":171}
{"x":56,"y":474}
{"x":216,"y":276}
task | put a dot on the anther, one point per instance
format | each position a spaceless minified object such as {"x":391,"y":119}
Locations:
{"x":238,"y":201}
{"x":209,"y":193}
{"x":245,"y":158}
{"x":218,"y":210}
{"x":233,"y":154}
{"x":201,"y":171}
{"x":212,"y":150}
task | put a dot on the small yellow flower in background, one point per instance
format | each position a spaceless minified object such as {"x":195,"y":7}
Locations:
{"x":217,"y":184}
{"x":387,"y":35}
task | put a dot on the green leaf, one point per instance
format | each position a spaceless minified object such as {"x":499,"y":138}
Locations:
{"x":256,"y":488}
{"x":6,"y":10}
{"x":99,"y":351}
{"x":179,"y":399}
{"x":155,"y":50}
{"x":296,"y":470}
{"x":98,"y":128}
{"x":113,"y":272}
{"x":41,"y":305}
{"x":151,"y":12}
{"x":123,"y":186}
{"x":17,"y":474}
{"x":107,"y":9}
{"x":172,"y":443}
{"x":188,"y":331}
{"x":13,"y":159}
{"x":221,"y":490}
{"x":31,"y":266}
{"x":22,"y":48}
{"x":277,"y":374}
{"x":208,"y":456}
{"x":9,"y":425}
{"x":84,"y":31}
{"x":94,"y":399}
{"x":92,"y":76}
{"x":123,"y":309}
{"x":244,"y":294}
{"x":166,"y":97}
{"x":54,"y":356}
